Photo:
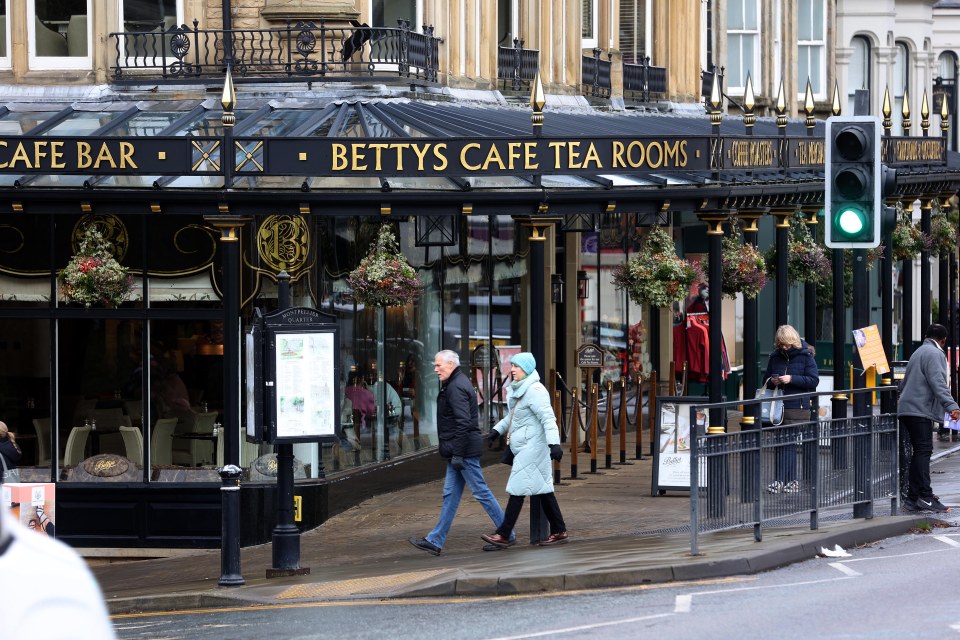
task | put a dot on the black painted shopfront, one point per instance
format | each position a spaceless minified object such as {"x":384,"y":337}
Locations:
{"x":473,"y":195}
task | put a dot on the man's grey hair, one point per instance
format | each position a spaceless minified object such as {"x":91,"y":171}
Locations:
{"x":449,"y":356}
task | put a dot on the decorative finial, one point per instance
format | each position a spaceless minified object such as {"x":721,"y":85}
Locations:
{"x":808,"y":106}
{"x":887,"y":110}
{"x":716,"y":100}
{"x":749,"y":102}
{"x":905,"y":112}
{"x":924,"y":114}
{"x":836,"y":99}
{"x":781,"y":107}
{"x":228,"y":99}
{"x":944,"y":115}
{"x":537,"y":102}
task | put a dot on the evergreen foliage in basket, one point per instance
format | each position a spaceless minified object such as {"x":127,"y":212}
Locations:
{"x":384,"y":278}
{"x":943,"y":234}
{"x":744,"y":267}
{"x":908,"y":239}
{"x":655,"y":275}
{"x":807,"y":261}
{"x":93,"y":276}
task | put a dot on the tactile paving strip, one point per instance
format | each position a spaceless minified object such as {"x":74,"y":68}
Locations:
{"x":356,"y":586}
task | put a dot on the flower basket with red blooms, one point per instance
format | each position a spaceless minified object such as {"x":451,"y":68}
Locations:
{"x":655,"y":275}
{"x":93,"y":276}
{"x":743,"y":267}
{"x":384,"y":278}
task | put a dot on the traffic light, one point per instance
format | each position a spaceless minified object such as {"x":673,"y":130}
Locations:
{"x":853,"y":203}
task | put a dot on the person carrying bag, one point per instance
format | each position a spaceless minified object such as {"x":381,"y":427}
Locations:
{"x":9,"y":455}
{"x":791,"y":369}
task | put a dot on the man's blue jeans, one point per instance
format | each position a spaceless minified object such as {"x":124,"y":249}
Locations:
{"x":472,"y":476}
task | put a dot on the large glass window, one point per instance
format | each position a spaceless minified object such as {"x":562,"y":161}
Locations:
{"x":811,"y":46}
{"x":60,"y":34}
{"x":146,"y":21}
{"x":858,"y":74}
{"x":743,"y":38}
{"x":385,"y":13}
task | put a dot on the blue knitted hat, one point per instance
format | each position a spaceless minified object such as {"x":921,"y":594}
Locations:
{"x":525,"y":361}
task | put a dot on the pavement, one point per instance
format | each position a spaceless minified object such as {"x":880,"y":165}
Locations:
{"x":619,"y":535}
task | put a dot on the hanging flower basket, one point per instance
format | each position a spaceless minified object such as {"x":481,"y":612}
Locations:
{"x":743,"y":268}
{"x":908,"y":239}
{"x":384,"y":278}
{"x":93,"y":277}
{"x":807,"y":261}
{"x":655,"y":275}
{"x":943,"y":234}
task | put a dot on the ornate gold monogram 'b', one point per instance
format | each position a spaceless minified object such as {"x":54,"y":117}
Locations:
{"x":283,"y":242}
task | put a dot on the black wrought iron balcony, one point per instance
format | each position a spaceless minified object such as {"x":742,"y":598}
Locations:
{"x":302,"y":50}
{"x":641,"y":81}
{"x":516,"y":66}
{"x":595,"y":75}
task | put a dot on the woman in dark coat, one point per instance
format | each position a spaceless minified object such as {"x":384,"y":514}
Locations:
{"x":792,"y":368}
{"x":8,"y":449}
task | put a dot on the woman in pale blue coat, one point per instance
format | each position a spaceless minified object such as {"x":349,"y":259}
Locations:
{"x":530,"y":428}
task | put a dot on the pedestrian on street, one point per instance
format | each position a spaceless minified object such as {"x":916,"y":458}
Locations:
{"x":530,"y":429}
{"x":458,"y":428}
{"x":925,"y":398}
{"x":793,"y":368}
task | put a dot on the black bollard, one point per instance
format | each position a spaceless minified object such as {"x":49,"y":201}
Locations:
{"x":230,"y":526}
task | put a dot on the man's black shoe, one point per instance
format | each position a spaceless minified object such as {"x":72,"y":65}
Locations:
{"x":908,"y":504}
{"x":424,"y":544}
{"x":931,"y":504}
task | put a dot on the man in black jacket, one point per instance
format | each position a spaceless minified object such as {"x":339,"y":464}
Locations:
{"x":458,"y":429}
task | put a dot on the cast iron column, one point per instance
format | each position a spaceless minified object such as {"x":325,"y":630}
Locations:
{"x":715,"y":220}
{"x":886,"y":314}
{"x":925,"y":290}
{"x":783,"y":254}
{"x":750,"y":357}
{"x":810,"y":288}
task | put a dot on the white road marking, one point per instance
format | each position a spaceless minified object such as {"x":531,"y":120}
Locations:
{"x":947,"y":540}
{"x":844,"y":569}
{"x":955,"y":626}
{"x":585,"y":627}
{"x":683,"y":604}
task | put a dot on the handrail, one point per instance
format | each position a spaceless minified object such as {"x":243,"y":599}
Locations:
{"x":300,"y":50}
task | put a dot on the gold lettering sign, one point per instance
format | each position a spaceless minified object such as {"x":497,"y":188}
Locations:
{"x":283,"y":243}
{"x":811,"y":153}
{"x":750,"y":153}
{"x":110,"y":227}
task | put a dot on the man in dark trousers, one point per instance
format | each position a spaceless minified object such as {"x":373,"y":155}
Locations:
{"x":925,"y":398}
{"x":458,"y":428}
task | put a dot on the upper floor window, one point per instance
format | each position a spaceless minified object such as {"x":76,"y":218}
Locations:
{"x":743,"y":39}
{"x":858,"y":73}
{"x":59,"y":33}
{"x":4,"y":34}
{"x":149,"y":19}
{"x":588,"y":24}
{"x":385,"y":13}
{"x":634,"y":27}
{"x":811,"y":46}
{"x":901,"y":81}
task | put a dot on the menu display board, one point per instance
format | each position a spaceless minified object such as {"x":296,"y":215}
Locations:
{"x":671,"y":456}
{"x":305,"y":385}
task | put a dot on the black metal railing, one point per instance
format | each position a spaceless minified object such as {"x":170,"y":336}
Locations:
{"x":764,"y":476}
{"x":517,"y":66}
{"x":595,"y":75}
{"x":641,"y":81}
{"x":304,"y":50}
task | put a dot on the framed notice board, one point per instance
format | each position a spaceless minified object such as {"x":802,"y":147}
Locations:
{"x":671,"y":455}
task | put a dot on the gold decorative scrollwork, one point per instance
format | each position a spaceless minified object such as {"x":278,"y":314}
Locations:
{"x":283,"y":243}
{"x":110,"y":227}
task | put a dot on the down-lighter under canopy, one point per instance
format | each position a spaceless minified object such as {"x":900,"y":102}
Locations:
{"x":411,"y":157}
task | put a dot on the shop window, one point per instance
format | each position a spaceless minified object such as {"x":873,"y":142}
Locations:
{"x":811,"y":46}
{"x":634,"y":27}
{"x":59,"y":33}
{"x":743,"y":38}
{"x":4,"y":35}
{"x":901,"y":82}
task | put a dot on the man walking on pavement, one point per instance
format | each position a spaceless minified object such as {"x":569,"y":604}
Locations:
{"x":924,"y":398}
{"x":458,"y":428}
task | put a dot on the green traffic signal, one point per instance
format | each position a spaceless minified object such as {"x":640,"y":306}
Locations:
{"x":852,"y":182}
{"x":851,"y":222}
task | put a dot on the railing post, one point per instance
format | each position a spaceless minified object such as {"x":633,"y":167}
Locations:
{"x":596,"y":71}
{"x":517,"y":62}
{"x":694,"y":483}
{"x":403,"y":64}
{"x":230,"y":526}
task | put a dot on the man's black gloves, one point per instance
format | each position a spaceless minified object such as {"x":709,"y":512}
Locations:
{"x":556,"y":452}
{"x":492,"y":438}
{"x":457,"y":462}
